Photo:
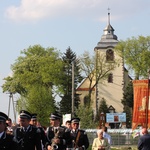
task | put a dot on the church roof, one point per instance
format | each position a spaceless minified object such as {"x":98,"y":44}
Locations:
{"x":108,"y":39}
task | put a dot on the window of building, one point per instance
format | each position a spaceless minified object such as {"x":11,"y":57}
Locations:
{"x":109,"y":55}
{"x":110,"y":78}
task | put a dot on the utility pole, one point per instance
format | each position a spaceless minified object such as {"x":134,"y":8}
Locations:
{"x":72,"y":89}
{"x":11,"y":99}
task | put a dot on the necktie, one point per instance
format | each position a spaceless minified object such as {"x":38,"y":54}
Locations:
{"x":25,"y":129}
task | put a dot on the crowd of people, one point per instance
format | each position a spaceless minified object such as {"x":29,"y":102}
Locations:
{"x":28,"y":134}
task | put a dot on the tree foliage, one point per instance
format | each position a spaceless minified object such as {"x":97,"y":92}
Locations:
{"x":136,"y":52}
{"x":69,"y":59}
{"x":35,"y":74}
{"x":128,"y":96}
{"x":103,"y":107}
{"x":86,"y":115}
{"x":128,"y":102}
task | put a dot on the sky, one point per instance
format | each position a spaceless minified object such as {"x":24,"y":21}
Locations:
{"x":63,"y":23}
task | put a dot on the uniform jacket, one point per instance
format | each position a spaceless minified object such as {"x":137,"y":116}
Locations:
{"x":144,"y":142}
{"x":83,"y":140}
{"x":7,"y":143}
{"x":100,"y":142}
{"x":62,"y":133}
{"x":28,"y":140}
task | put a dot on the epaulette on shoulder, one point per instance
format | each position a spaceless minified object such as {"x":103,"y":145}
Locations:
{"x":82,"y":131}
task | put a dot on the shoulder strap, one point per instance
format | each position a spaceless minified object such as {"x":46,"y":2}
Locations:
{"x":77,"y":138}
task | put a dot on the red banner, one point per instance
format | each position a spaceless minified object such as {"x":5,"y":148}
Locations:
{"x":141,"y":110}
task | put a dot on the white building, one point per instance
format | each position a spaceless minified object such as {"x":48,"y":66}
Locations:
{"x":113,"y":87}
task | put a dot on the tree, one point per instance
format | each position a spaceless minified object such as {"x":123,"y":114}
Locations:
{"x":136,"y":52}
{"x":128,"y":96}
{"x":69,"y":59}
{"x":127,"y":102}
{"x":103,"y":107}
{"x":95,"y":68}
{"x":86,"y":115}
{"x":36,"y":75}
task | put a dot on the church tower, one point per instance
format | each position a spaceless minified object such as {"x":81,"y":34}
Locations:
{"x":111,"y":89}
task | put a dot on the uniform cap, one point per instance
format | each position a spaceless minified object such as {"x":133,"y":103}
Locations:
{"x":3,"y":116}
{"x":34,"y":117}
{"x":75,"y":120}
{"x":55,"y":116}
{"x":25,"y":114}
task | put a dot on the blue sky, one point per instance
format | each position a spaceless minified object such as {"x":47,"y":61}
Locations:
{"x":63,"y":23}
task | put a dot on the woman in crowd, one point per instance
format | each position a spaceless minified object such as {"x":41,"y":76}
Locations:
{"x":100,"y":143}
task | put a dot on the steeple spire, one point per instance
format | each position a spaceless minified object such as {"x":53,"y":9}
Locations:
{"x":108,"y":38}
{"x":108,"y":16}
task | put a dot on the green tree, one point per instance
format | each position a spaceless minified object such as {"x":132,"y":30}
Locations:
{"x":128,"y":96}
{"x":85,"y":113}
{"x":136,"y":52}
{"x":103,"y":107}
{"x":69,"y":59}
{"x":127,"y":102}
{"x":35,"y":77}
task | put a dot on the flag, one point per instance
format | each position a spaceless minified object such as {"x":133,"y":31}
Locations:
{"x":141,"y":110}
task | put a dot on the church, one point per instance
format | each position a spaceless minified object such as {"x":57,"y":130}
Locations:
{"x":113,"y":86}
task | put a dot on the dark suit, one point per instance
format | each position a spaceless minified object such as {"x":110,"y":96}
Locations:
{"x":62,"y":133}
{"x":7,"y":143}
{"x":79,"y":139}
{"x":28,"y":140}
{"x":144,"y":142}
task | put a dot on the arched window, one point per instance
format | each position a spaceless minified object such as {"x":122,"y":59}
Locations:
{"x":110,"y":78}
{"x":109,"y":55}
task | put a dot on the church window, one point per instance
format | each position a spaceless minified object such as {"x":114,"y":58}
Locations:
{"x":110,"y":78}
{"x":109,"y":55}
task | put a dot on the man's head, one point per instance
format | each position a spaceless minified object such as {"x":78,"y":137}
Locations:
{"x":9,"y":122}
{"x":3,"y":118}
{"x":75,"y":123}
{"x":104,"y":129}
{"x":34,"y":119}
{"x":100,"y":133}
{"x":68,"y":124}
{"x":55,"y":119}
{"x":144,"y":131}
{"x":25,"y":118}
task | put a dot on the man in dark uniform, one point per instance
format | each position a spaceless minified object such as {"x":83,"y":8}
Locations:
{"x":27,"y":136}
{"x":34,"y":122}
{"x":6,"y":140}
{"x":58,"y":137}
{"x":144,"y":140}
{"x":79,"y":137}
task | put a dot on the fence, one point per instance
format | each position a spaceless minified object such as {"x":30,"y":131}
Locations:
{"x":119,"y":136}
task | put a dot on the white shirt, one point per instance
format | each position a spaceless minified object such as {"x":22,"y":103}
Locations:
{"x":1,"y":134}
{"x":108,"y":137}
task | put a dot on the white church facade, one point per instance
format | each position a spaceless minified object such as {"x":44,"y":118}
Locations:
{"x":112,"y":88}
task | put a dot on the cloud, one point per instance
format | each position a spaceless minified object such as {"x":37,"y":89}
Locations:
{"x":35,"y":10}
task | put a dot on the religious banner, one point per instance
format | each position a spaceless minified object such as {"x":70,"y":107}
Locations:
{"x":141,"y":110}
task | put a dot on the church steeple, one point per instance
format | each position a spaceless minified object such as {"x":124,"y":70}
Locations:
{"x":108,"y":38}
